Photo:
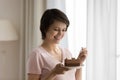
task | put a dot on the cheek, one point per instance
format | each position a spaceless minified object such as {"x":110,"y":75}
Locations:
{"x":50,"y":34}
{"x":63,"y":34}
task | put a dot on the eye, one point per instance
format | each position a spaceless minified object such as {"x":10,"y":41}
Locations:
{"x":64,"y":30}
{"x":56,"y":29}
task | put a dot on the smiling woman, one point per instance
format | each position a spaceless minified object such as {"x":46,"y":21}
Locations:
{"x":100,"y":37}
{"x":46,"y":61}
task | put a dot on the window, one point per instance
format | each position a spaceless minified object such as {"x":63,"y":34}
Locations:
{"x":76,"y":11}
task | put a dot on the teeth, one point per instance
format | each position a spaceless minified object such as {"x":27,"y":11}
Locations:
{"x":57,"y":38}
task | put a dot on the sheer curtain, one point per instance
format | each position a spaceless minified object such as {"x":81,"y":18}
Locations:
{"x":101,"y":40}
{"x":60,"y":4}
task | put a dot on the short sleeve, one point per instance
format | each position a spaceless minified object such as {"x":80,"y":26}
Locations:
{"x":35,"y":63}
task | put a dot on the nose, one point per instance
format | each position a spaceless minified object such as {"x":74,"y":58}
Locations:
{"x":60,"y":32}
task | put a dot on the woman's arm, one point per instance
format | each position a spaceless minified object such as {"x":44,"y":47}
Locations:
{"x":38,"y":77}
{"x":78,"y":74}
{"x":59,"y":69}
{"x":33,"y":77}
{"x":82,"y":56}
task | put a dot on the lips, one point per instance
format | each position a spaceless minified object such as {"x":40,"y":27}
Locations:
{"x":57,"y":38}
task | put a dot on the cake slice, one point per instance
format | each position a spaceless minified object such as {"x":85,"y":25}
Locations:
{"x":72,"y":62}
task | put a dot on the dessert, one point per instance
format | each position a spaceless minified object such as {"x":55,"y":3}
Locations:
{"x":72,"y":62}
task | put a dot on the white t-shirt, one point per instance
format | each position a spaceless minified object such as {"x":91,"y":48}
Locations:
{"x":41,"y":62}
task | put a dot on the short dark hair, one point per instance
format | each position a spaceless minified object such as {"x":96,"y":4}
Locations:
{"x":48,"y":18}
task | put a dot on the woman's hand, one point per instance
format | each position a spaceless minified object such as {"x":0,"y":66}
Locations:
{"x":60,"y":69}
{"x":82,"y":56}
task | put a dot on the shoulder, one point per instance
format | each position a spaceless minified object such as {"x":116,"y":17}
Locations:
{"x":36,"y":55}
{"x":36,"y":52}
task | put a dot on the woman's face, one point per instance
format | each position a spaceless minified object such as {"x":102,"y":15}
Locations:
{"x":56,"y":32}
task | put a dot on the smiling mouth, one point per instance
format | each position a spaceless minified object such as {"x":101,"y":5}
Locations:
{"x":57,"y":38}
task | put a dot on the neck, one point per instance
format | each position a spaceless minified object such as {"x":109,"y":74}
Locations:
{"x":53,"y":49}
{"x":49,"y":46}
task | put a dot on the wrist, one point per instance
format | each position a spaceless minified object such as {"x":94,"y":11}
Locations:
{"x":51,"y":76}
{"x":53,"y":73}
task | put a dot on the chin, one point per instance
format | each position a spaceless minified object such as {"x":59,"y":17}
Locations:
{"x":57,"y":42}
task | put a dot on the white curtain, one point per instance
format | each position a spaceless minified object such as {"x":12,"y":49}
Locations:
{"x":101,"y":39}
{"x":60,"y":4}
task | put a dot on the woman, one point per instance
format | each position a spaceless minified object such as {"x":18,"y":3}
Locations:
{"x":46,"y":62}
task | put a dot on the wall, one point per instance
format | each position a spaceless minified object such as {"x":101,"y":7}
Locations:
{"x":9,"y":61}
{"x":13,"y":54}
{"x":9,"y":51}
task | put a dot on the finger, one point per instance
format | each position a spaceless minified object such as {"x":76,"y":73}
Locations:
{"x":82,"y":56}
{"x":61,"y":72}
{"x":83,"y":52}
{"x":65,"y":68}
{"x":59,"y":65}
{"x":84,"y":48}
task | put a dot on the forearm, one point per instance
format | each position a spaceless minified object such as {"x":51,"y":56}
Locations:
{"x":38,"y":77}
{"x":51,"y":76}
{"x":33,"y":77}
{"x":78,"y":74}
